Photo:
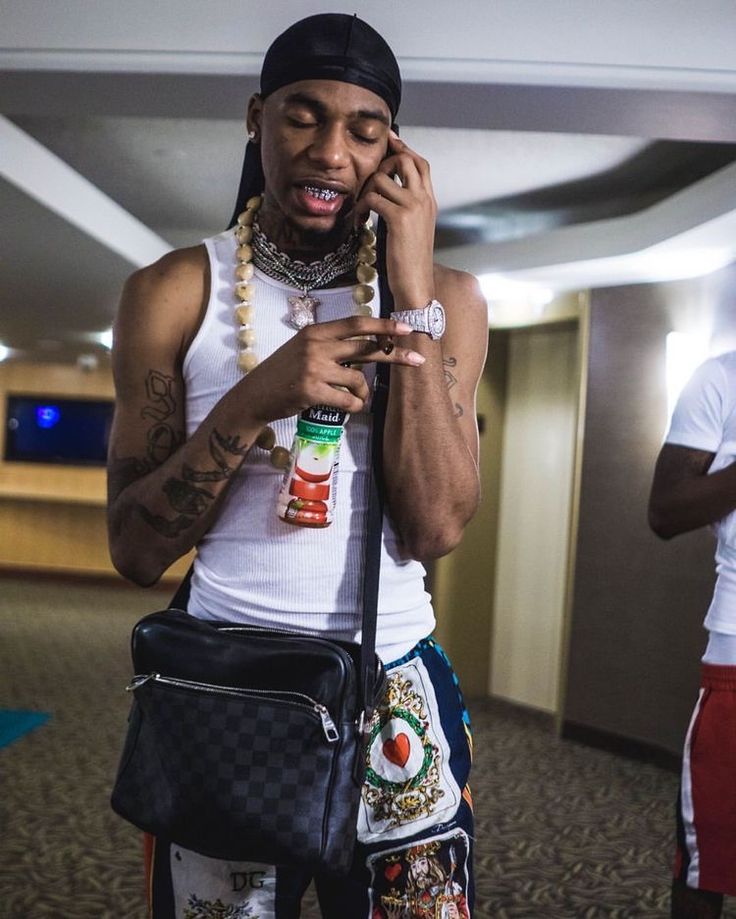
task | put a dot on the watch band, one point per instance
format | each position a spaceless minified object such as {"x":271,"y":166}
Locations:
{"x":429,"y":319}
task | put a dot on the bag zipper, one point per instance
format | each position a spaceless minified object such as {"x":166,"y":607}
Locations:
{"x":363,"y":721}
{"x":328,"y":725}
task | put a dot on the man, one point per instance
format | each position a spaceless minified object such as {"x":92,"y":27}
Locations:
{"x":694,"y":485}
{"x":210,"y":374}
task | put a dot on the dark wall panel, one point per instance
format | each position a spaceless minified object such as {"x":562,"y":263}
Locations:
{"x":636,"y":632}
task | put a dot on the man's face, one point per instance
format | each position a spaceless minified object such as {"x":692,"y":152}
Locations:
{"x":320,"y":140}
{"x":420,"y":870}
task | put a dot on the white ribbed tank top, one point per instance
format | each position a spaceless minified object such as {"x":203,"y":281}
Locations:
{"x":252,"y":567}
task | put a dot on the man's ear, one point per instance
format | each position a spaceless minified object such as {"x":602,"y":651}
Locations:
{"x":254,"y":116}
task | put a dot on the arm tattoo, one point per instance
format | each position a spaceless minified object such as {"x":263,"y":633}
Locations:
{"x":187,"y":499}
{"x":158,"y":391}
{"x":219,"y":446}
{"x":123,"y":472}
{"x":163,"y":438}
{"x":451,"y":380}
{"x":168,"y":528}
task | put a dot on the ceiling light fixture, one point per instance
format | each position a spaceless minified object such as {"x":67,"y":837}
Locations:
{"x":524,"y":299}
{"x":105,"y":338}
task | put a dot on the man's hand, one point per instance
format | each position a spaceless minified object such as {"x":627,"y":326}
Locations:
{"x":316,"y":367}
{"x":410,"y":211}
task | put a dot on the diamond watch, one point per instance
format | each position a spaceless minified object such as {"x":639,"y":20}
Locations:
{"x":429,"y":319}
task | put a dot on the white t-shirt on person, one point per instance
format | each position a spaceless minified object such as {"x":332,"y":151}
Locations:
{"x":705,"y":419}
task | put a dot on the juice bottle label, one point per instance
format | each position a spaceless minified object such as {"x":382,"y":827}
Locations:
{"x":308,"y":490}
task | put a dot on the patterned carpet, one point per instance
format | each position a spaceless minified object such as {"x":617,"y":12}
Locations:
{"x":562,"y":830}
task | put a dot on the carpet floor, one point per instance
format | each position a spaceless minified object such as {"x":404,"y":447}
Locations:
{"x":562,"y":830}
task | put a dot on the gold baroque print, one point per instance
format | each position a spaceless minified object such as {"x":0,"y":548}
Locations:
{"x":198,"y":908}
{"x":402,"y":762}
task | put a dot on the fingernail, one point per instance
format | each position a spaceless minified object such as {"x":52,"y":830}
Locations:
{"x":415,"y":358}
{"x":393,"y":134}
{"x":403,"y":328}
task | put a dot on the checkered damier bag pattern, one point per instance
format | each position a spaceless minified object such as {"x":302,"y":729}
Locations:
{"x":229,"y":775}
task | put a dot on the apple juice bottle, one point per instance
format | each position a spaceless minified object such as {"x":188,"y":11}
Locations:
{"x":307,"y":494}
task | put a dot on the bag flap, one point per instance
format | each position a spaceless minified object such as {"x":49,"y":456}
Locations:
{"x":175,"y":644}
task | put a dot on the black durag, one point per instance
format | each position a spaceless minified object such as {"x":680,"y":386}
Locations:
{"x":328,"y":46}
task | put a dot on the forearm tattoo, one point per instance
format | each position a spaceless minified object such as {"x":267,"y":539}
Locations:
{"x":449,"y":364}
{"x":219,"y":446}
{"x":189,"y":500}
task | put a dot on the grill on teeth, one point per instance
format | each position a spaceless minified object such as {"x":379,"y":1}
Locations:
{"x":326,"y":194}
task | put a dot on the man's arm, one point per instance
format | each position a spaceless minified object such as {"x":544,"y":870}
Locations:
{"x":683,"y":496}
{"x":431,"y":441}
{"x":164,"y":491}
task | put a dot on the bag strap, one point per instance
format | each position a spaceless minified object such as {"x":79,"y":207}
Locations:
{"x":180,"y":600}
{"x":374,"y":536}
{"x":376,"y":495}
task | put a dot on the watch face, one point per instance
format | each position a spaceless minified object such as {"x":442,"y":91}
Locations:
{"x":436,"y":320}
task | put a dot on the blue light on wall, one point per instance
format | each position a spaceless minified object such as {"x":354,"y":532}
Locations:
{"x":47,"y":416}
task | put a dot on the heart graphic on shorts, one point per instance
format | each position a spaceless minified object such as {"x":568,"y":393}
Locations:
{"x":391,"y":872}
{"x":397,"y":749}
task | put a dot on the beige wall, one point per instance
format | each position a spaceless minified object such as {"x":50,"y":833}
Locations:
{"x":638,"y":604}
{"x":535,"y":510}
{"x":463,"y":581}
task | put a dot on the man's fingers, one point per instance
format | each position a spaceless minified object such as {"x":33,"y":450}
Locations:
{"x":354,"y":326}
{"x":352,"y":380}
{"x":382,"y":184}
{"x":383,"y":351}
{"x":399,"y":147}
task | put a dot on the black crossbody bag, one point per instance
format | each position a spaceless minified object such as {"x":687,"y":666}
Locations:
{"x":247,"y":743}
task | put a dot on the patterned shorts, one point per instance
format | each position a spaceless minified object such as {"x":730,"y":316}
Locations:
{"x":414,"y":855}
{"x":706,"y":809}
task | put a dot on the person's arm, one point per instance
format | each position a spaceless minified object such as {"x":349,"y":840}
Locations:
{"x":164,"y":490}
{"x":683,"y":496}
{"x":431,"y":439}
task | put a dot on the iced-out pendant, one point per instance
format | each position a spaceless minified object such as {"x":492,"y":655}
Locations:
{"x":302,"y":310}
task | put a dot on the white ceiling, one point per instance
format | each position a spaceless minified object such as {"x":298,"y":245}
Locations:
{"x":500,"y":109}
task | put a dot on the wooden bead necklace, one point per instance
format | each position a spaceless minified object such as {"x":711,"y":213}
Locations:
{"x":255,"y":251}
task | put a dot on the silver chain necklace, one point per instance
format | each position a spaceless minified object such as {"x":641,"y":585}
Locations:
{"x":305,"y":276}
